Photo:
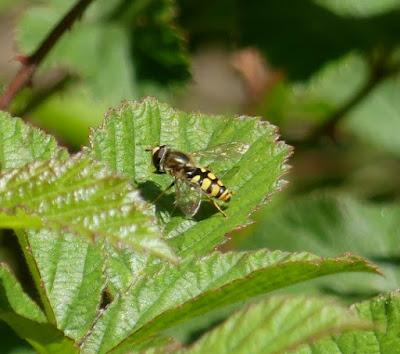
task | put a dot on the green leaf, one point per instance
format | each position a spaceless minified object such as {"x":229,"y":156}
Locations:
{"x":340,"y":81}
{"x":70,"y":197}
{"x":384,"y":312}
{"x":123,"y":266}
{"x":277,"y":325}
{"x":15,"y":300}
{"x":314,"y":100}
{"x":383,"y":102}
{"x":20,"y":143}
{"x":328,"y":225}
{"x":332,"y":87}
{"x":81,"y":196}
{"x":158,"y":45}
{"x":11,"y":343}
{"x":172,"y":295}
{"x":253,"y":175}
{"x":27,"y":319}
{"x":71,"y":295}
{"x":359,"y":8}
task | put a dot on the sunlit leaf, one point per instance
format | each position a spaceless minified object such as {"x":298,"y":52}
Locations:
{"x":20,"y":143}
{"x":81,"y":196}
{"x":360,"y":8}
{"x":171,"y":295}
{"x":253,"y":176}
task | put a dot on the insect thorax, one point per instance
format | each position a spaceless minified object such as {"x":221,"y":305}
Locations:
{"x":177,"y":161}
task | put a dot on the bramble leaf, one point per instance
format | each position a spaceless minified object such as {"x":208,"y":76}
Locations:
{"x":331,"y":224}
{"x":27,"y":319}
{"x":51,"y":204}
{"x":98,"y":298}
{"x":253,"y":175}
{"x":278,"y":325}
{"x":21,"y":144}
{"x":384,"y":338}
{"x":174,"y":294}
{"x":83,"y":197}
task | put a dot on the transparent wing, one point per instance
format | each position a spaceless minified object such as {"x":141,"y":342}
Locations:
{"x":221,"y":153}
{"x":188,"y":197}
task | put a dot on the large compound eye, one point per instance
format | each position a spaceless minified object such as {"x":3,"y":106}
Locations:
{"x":158,"y":154}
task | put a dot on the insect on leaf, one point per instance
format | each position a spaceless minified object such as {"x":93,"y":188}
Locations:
{"x":253,"y":173}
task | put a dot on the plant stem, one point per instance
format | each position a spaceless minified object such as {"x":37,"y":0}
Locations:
{"x":31,"y":63}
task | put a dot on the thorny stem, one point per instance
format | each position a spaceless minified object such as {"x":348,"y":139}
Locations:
{"x":31,"y":63}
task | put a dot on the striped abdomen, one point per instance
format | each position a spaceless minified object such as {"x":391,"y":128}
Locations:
{"x":209,"y":183}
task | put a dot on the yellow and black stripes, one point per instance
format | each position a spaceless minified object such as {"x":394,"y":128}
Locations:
{"x":209,"y":183}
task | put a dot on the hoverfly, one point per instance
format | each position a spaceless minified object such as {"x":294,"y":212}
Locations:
{"x":192,"y":182}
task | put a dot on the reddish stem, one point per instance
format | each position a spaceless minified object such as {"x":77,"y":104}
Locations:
{"x":30,"y":64}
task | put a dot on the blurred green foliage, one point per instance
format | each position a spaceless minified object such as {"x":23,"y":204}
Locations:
{"x":120,"y":49}
{"x":296,"y":36}
{"x":116,"y":48}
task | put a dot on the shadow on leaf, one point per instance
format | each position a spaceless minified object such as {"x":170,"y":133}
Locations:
{"x":165,"y":203}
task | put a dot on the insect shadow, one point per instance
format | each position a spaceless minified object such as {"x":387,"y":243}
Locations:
{"x":165,"y":203}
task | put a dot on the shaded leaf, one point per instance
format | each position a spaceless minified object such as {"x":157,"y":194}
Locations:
{"x":11,"y":343}
{"x":384,"y":313}
{"x":163,"y":299}
{"x":158,"y":45}
{"x":309,"y":30}
{"x":253,"y":175}
{"x":15,"y":300}
{"x":27,"y":319}
{"x":278,"y":325}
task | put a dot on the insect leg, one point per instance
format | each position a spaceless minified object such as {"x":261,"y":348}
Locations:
{"x":163,"y":192}
{"x":217,"y":206}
